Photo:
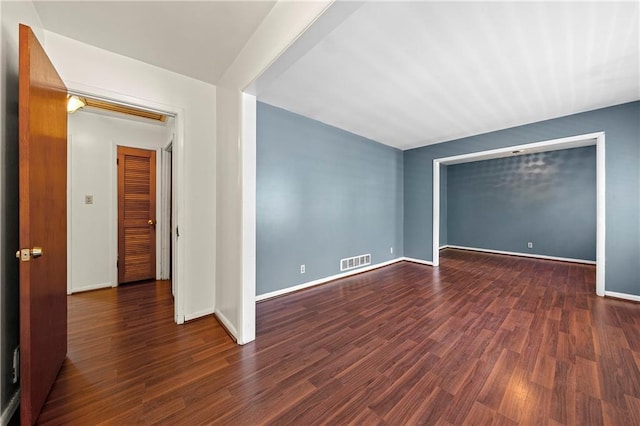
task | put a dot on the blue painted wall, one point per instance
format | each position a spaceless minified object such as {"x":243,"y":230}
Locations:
{"x":621,"y":124}
{"x":323,"y":194}
{"x":548,"y":198}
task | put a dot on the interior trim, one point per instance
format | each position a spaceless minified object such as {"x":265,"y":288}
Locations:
{"x":282,"y":292}
{"x":623,"y":296}
{"x":514,"y":253}
{"x":597,"y":139}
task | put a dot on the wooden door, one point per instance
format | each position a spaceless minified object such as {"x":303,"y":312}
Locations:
{"x":43,"y":224}
{"x":136,"y":214}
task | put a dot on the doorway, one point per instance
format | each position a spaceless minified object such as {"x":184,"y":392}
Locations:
{"x":99,"y":194}
{"x":597,"y":139}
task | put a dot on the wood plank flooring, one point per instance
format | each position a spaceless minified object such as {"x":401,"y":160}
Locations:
{"x":482,"y":339}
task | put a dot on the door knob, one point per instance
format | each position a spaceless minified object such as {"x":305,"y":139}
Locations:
{"x":26,"y":254}
{"x":150,"y":222}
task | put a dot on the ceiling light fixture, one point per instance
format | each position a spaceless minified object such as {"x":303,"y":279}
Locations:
{"x":122,"y":109}
{"x":74,"y":103}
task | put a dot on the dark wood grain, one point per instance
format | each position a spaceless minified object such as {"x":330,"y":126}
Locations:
{"x":482,"y":339}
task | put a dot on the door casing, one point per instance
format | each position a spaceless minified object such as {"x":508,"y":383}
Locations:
{"x":178,"y":272}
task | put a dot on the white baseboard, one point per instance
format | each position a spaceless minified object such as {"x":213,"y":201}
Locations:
{"x":625,"y":296}
{"x":198,"y":314}
{"x":420,"y":261}
{"x":512,"y":253}
{"x":324,"y":280}
{"x":8,"y":412}
{"x":91,"y":287}
{"x":227,"y":324}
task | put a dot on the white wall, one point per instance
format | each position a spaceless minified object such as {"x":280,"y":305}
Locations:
{"x":235,"y":291}
{"x":93,"y":141}
{"x":229,"y":213}
{"x":96,"y":71}
{"x":12,"y":13}
{"x":90,"y":69}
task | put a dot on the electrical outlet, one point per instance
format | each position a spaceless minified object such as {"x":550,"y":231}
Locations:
{"x":88,"y":199}
{"x":530,"y":244}
{"x":302,"y":269}
{"x":391,"y":250}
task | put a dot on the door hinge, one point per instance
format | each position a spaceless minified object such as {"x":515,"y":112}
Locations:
{"x":117,"y":161}
{"x":177,"y":232}
{"x":16,"y":365}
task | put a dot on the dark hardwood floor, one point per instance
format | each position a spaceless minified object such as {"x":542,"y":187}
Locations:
{"x":481,"y":339}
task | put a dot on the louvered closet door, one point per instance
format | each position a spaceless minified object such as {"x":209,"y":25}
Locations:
{"x":136,"y":214}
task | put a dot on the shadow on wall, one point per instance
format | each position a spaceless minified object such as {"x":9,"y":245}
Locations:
{"x":9,"y":226}
{"x":531,"y":178}
{"x":547,"y":198}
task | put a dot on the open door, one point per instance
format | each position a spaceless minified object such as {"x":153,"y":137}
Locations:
{"x":43,"y":225}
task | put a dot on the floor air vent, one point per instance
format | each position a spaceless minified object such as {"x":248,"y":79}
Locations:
{"x":355,"y":262}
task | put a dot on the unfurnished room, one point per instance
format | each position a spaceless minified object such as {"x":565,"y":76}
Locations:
{"x":320,"y":212}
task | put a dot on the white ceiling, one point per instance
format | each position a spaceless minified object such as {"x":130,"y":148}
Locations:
{"x":417,"y":73}
{"x":406,"y":74}
{"x":198,"y":39}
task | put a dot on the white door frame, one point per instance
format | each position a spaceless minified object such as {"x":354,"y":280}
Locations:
{"x":249,"y":125}
{"x":597,"y":139}
{"x":165,"y":208}
{"x":161,"y":215}
{"x":178,"y":180}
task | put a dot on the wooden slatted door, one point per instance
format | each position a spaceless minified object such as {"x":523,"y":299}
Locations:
{"x":136,"y":214}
